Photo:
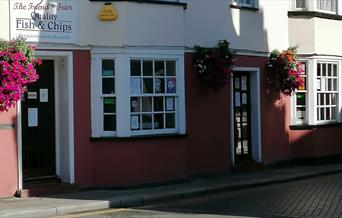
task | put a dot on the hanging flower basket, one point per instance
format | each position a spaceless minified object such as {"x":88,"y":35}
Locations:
{"x":214,"y":65}
{"x":284,"y":72}
{"x":17,"y":69}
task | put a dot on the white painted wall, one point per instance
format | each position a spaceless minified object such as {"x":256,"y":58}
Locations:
{"x":302,"y":33}
{"x":4,"y":20}
{"x":138,"y":24}
{"x":261,"y":30}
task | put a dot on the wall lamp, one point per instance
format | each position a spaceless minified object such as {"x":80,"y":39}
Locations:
{"x":52,"y":8}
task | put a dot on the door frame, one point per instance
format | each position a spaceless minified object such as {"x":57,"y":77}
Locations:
{"x":68,"y":57}
{"x":255,"y":114}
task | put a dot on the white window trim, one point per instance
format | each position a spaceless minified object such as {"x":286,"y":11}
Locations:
{"x":122,"y":58}
{"x":312,"y":93}
{"x":312,"y":6}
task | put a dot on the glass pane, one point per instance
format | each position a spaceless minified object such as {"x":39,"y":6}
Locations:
{"x":318,"y":69}
{"x":327,"y":99}
{"x":170,"y":121}
{"x":170,"y":103}
{"x":159,"y":68}
{"x":148,"y":68}
{"x":159,"y":85}
{"x":245,"y":147}
{"x":327,"y":113}
{"x":107,"y":67}
{"x":135,"y":122}
{"x":333,"y":113}
{"x":135,"y":68}
{"x":135,"y":104}
{"x":147,"y":121}
{"x":158,"y":121}
{"x":322,"y":113}
{"x":108,"y":85}
{"x":109,"y":105}
{"x":135,"y":85}
{"x":329,"y":70}
{"x":158,"y":104}
{"x":244,"y":131}
{"x":148,"y":85}
{"x":324,"y":70}
{"x":109,"y":123}
{"x":333,"y":99}
{"x":147,"y":104}
{"x":334,"y":70}
{"x":171,"y":85}
{"x":300,"y":113}
{"x":239,"y":147}
{"x":171,"y":68}
{"x":329,"y":86}
{"x":334,"y":84}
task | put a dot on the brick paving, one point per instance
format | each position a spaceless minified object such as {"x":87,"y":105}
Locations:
{"x":315,"y":197}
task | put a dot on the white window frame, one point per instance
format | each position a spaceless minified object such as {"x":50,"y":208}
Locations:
{"x":253,"y":4}
{"x":122,"y":59}
{"x":311,"y":96}
{"x":313,"y":6}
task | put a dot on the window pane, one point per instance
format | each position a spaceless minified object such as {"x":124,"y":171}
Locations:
{"x":171,"y":68}
{"x":300,"y":113}
{"x":159,"y":121}
{"x":109,"y":123}
{"x":324,"y":70}
{"x":335,"y":70}
{"x":326,"y":5}
{"x":148,"y":85}
{"x":148,"y":68}
{"x":109,"y":105}
{"x":135,"y":122}
{"x":318,"y":69}
{"x":159,"y":85}
{"x":170,"y":121}
{"x":333,"y":113}
{"x":146,"y":104}
{"x":135,"y":68}
{"x":135,"y":104}
{"x":159,"y":68}
{"x":158,"y":104}
{"x":108,"y":85}
{"x":107,"y":67}
{"x":147,"y":121}
{"x":300,"y":98}
{"x":171,"y":85}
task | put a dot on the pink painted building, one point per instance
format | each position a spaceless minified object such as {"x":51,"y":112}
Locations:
{"x":119,"y":104}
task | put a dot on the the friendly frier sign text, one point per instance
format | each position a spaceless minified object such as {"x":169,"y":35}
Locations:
{"x":33,"y":21}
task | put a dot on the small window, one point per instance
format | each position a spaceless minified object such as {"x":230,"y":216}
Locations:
{"x":244,"y":3}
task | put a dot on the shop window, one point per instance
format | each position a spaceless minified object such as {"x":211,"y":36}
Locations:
{"x":317,"y":102}
{"x":136,"y":95}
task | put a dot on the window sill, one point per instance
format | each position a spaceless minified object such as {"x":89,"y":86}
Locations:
{"x":244,"y":8}
{"x":184,"y":5}
{"x":311,"y":14}
{"x":309,"y":127}
{"x":159,"y":136}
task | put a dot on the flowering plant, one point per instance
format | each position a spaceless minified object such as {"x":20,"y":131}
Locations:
{"x":284,"y":71}
{"x":214,"y":65}
{"x":17,"y":69}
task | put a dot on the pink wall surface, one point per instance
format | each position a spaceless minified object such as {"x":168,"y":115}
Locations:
{"x":8,"y":155}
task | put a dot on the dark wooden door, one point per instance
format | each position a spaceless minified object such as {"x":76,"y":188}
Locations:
{"x":38,"y":125}
{"x":242,"y":116}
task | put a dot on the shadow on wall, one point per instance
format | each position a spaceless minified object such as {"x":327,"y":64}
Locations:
{"x":208,"y":112}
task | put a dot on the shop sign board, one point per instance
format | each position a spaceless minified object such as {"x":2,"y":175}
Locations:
{"x":36,"y":23}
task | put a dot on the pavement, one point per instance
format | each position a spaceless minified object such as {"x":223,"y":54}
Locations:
{"x":90,"y":200}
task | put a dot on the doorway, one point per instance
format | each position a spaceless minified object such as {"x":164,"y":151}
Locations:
{"x":38,"y":125}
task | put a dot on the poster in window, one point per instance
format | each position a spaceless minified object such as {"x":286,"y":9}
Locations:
{"x":171,"y":85}
{"x":135,"y":122}
{"x":44,"y":95}
{"x":135,"y":86}
{"x":170,"y":104}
